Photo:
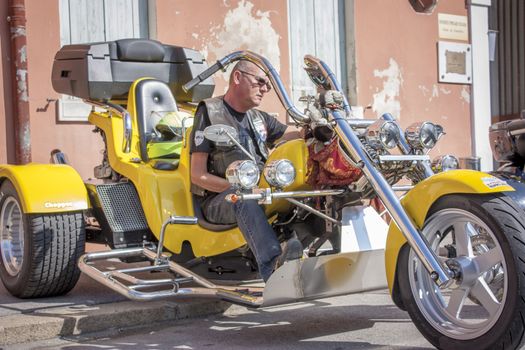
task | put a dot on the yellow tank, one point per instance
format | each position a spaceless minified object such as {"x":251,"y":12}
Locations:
{"x":296,"y":152}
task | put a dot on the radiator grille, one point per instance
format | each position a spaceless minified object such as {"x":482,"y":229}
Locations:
{"x":121,"y":206}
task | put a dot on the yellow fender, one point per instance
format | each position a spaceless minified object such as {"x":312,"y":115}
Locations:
{"x":47,"y":188}
{"x":418,"y":201}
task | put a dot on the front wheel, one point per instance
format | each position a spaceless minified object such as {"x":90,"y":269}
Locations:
{"x":483,"y":237}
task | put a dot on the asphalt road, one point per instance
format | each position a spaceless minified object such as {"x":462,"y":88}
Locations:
{"x":360,"y":321}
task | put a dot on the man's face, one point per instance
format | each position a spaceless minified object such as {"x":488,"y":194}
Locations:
{"x":252,"y":85}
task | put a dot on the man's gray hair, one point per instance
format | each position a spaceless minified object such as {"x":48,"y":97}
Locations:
{"x":242,"y":65}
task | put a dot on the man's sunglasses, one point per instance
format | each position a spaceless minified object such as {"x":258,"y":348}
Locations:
{"x":259,"y":80}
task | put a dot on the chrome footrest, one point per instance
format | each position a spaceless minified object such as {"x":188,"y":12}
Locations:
{"x":125,"y":282}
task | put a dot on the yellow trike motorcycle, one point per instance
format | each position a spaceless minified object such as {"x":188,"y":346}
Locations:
{"x":453,"y":255}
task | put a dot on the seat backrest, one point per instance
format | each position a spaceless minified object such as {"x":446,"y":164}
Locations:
{"x":151,"y":96}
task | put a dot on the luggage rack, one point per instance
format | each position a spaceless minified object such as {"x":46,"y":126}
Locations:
{"x":125,"y":283}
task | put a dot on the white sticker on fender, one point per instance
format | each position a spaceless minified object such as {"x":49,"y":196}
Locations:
{"x":492,"y":182}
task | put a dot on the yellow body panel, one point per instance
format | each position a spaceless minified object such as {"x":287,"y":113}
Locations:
{"x":47,"y":188}
{"x":162,"y":192}
{"x":418,"y":201}
{"x":165,"y":193}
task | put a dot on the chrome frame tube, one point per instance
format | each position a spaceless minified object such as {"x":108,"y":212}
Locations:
{"x":184,"y":220}
{"x":403,"y":158}
{"x":424,"y":166}
{"x":402,"y":188}
{"x":441,"y":274}
{"x":360,"y":123}
{"x":292,"y":194}
{"x":111,"y":254}
{"x":114,"y":279}
{"x":313,"y":211}
{"x":127,"y":132}
{"x":158,"y":260}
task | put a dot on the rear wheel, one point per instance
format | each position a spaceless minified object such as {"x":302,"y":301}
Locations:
{"x":484,"y":238}
{"x":39,"y":252}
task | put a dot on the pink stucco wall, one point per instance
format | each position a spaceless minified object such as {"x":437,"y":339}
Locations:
{"x":386,"y":32}
{"x":390,"y":33}
{"x":217,"y":28}
{"x":178,"y":23}
{"x":76,"y":140}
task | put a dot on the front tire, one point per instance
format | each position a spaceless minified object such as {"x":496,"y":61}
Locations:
{"x":38,"y":252}
{"x":485,"y":309}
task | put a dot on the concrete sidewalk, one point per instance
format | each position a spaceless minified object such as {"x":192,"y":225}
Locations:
{"x":90,"y":307}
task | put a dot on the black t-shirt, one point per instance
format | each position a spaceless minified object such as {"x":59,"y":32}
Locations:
{"x":199,"y":143}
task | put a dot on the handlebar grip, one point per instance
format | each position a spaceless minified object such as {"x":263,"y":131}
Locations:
{"x":201,"y":77}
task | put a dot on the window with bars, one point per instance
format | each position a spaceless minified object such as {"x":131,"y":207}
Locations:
{"x":316,"y":27}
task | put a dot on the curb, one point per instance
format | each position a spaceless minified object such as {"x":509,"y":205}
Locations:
{"x":84,"y":319}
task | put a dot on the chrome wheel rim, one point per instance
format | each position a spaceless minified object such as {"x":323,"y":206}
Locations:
{"x":471,"y":306}
{"x":11,"y":236}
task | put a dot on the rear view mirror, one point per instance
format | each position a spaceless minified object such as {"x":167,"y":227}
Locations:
{"x":221,"y":134}
{"x":225,"y":135}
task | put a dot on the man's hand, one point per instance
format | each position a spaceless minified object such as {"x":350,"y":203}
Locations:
{"x":201,"y":177}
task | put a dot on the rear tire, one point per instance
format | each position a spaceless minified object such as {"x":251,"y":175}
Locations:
{"x":485,"y":310}
{"x":38,"y":252}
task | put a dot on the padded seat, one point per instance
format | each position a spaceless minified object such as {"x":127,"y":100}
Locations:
{"x":201,"y":220}
{"x":167,"y":166}
{"x":151,"y":96}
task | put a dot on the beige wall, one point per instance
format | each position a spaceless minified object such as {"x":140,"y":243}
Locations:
{"x":396,"y":48}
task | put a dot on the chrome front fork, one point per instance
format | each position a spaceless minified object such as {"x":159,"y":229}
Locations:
{"x":442,"y":275}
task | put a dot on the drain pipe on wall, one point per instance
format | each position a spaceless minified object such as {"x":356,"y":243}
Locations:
{"x":17,"y":26}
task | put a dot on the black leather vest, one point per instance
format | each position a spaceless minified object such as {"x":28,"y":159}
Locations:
{"x":222,"y":156}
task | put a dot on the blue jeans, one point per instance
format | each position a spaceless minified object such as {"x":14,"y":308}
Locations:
{"x":252,"y":222}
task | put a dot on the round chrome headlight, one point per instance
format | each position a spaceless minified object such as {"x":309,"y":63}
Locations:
{"x":445,"y":163}
{"x":423,"y":135}
{"x":383,"y":134}
{"x":243,"y":173}
{"x":279,"y":173}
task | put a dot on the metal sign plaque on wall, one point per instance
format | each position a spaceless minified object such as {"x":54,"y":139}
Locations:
{"x":453,"y":27}
{"x":455,"y":63}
